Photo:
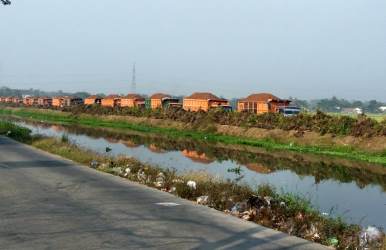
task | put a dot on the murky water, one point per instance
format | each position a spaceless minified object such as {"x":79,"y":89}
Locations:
{"x":356,"y":191}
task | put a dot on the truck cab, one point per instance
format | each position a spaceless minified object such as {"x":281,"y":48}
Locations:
{"x":289,"y":111}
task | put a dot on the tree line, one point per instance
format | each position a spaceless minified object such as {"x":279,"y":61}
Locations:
{"x":5,"y":91}
{"x":335,"y":104}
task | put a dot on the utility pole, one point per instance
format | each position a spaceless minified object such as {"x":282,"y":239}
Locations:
{"x":133,"y":81}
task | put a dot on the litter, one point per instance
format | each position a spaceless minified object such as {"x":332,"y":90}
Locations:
{"x":94,"y":163}
{"x":203,"y":200}
{"x":192,"y":184}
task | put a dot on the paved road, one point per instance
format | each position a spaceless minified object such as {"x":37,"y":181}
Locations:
{"x":50,"y":203}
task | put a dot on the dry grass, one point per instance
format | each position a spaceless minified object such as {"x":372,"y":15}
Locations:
{"x":373,"y":144}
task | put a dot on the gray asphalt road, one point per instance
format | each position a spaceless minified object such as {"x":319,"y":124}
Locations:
{"x":50,"y":203}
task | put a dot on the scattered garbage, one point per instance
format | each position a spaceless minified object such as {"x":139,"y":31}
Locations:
{"x":370,"y":237}
{"x":268,"y":210}
{"x":160,"y":177}
{"x":178,"y":181}
{"x":313,"y":233}
{"x":108,"y":149}
{"x":141,"y":176}
{"x":239,"y":207}
{"x":192,"y":184}
{"x":256,"y":202}
{"x":127,"y":172}
{"x":94,"y":163}
{"x":247,"y":215}
{"x":117,"y":170}
{"x":158,"y":184}
{"x":9,"y":132}
{"x":203,"y":200}
{"x":268,"y":200}
{"x":315,"y":237}
{"x":160,"y":180}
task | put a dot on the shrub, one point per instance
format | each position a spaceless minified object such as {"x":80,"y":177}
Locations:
{"x":15,"y":132}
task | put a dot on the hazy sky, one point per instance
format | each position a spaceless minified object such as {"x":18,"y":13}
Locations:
{"x":303,"y":48}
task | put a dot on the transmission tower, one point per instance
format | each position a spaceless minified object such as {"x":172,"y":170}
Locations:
{"x":133,"y":81}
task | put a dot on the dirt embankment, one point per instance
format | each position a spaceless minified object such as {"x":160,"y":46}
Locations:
{"x":372,"y":144}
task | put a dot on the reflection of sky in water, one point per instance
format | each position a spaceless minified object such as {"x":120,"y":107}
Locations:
{"x":347,"y":199}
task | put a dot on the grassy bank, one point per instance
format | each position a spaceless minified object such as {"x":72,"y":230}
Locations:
{"x":281,"y":211}
{"x":378,"y":117}
{"x":15,"y":132}
{"x":208,"y":134}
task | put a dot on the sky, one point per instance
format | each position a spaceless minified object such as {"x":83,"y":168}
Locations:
{"x":292,"y":48}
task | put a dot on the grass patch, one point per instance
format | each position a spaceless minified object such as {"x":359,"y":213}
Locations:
{"x":15,"y":132}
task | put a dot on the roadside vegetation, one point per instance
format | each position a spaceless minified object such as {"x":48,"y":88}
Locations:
{"x":319,"y":122}
{"x":285,"y":212}
{"x":322,"y":123}
{"x":206,"y":131}
{"x":15,"y":132}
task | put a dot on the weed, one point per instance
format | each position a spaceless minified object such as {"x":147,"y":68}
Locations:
{"x":16,"y":132}
{"x":64,"y":138}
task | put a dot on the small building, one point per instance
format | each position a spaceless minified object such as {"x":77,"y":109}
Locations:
{"x":382,"y":108}
{"x":57,"y":101}
{"x":204,"y":101}
{"x":2,"y":99}
{"x":94,"y":99}
{"x":352,"y":111}
{"x":44,"y":101}
{"x":16,"y":100}
{"x":66,"y":101}
{"x":160,"y":100}
{"x":72,"y":101}
{"x":132,"y":100}
{"x":30,"y":100}
{"x":27,"y":100}
{"x":8,"y":99}
{"x":262,"y":103}
{"x":111,"y":101}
